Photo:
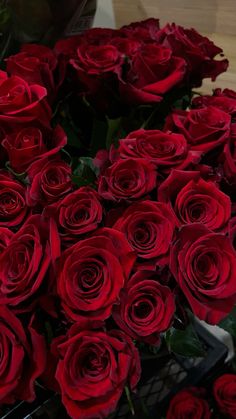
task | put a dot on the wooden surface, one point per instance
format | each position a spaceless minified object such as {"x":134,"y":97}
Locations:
{"x":213,"y":18}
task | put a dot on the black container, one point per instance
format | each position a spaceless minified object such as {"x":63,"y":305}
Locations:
{"x":161,"y":378}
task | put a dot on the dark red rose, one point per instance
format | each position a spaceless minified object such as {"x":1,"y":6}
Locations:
{"x":94,"y":368}
{"x":232,"y":231}
{"x":203,"y":264}
{"x":146,"y":307}
{"x":198,"y":51}
{"x":100,"y":36}
{"x":21,"y":103}
{"x":228,"y":157}
{"x":24,"y":264}
{"x":146,"y":30}
{"x":224,"y":391}
{"x":5,"y":238}
{"x":79,"y":213}
{"x":153,"y":72}
{"x":149,"y":228}
{"x":49,"y":181}
{"x":30,"y":144}
{"x":66,"y":48}
{"x":196,"y":201}
{"x":23,"y":356}
{"x":219,"y":99}
{"x":87,"y":270}
{"x":189,"y":403}
{"x":205,"y":129}
{"x":127,"y":179}
{"x":36,"y":64}
{"x":126,"y":46}
{"x":165,"y":150}
{"x":13,"y":208}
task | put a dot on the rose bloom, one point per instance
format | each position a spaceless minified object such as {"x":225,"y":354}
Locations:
{"x":13,"y":208}
{"x":93,"y":369}
{"x":203,"y":264}
{"x":23,"y":358}
{"x":36,"y":64}
{"x":78,"y":214}
{"x":224,"y":391}
{"x":154,"y":70}
{"x":228,"y":157}
{"x":146,"y":307}
{"x":5,"y":238}
{"x":86,"y":284}
{"x":224,"y":100}
{"x":21,"y":103}
{"x":146,"y":30}
{"x":204,"y":129}
{"x":49,"y":181}
{"x":149,"y":227}
{"x":189,"y":403}
{"x":127,"y":179}
{"x":31,"y":143}
{"x":24,"y":264}
{"x":195,"y":200}
{"x":165,"y":150}
{"x":198,"y":51}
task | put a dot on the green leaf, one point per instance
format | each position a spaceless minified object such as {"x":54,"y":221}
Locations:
{"x":229,"y":323}
{"x":184,"y":342}
{"x":114,"y":127}
{"x":99,"y":135}
{"x":85,"y":173}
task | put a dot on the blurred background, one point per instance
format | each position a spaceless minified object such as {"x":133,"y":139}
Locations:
{"x":214,"y":18}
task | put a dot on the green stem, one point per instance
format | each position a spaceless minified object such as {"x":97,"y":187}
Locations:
{"x":131,"y":406}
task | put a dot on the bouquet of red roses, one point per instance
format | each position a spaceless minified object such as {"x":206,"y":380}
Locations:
{"x":117,"y":209}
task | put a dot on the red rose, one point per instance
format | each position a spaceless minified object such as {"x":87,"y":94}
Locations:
{"x":126,"y":46}
{"x":220,"y":99}
{"x":189,"y":403}
{"x":36,"y":64}
{"x":224,"y":391}
{"x":94,"y":368}
{"x":50,"y":180}
{"x":87,"y":270}
{"x":79,"y":213}
{"x":228,"y":157}
{"x":153,"y":72}
{"x":197,"y":50}
{"x":24,"y":264}
{"x":31,"y":143}
{"x":21,"y":103}
{"x":127,"y":179}
{"x":203,"y":264}
{"x":23,"y":357}
{"x":13,"y":208}
{"x":146,"y":307}
{"x":232,"y":231}
{"x":5,"y":238}
{"x":195,"y":201}
{"x":145,"y":30}
{"x":165,"y":150}
{"x":149,"y":228}
{"x":205,"y":129}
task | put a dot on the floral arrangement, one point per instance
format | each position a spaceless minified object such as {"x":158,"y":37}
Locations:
{"x":117,"y":209}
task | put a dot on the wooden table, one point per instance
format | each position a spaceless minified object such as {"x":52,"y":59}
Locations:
{"x":213,"y":18}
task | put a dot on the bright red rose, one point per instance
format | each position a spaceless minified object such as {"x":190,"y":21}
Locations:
{"x":189,"y":403}
{"x":31,"y":143}
{"x":220,"y":99}
{"x":127,"y":179}
{"x":36,"y":64}
{"x":49,"y":181}
{"x":205,"y":129}
{"x":196,"y":201}
{"x":79,"y":213}
{"x":13,"y":208}
{"x":94,"y":368}
{"x":203,"y":264}
{"x":198,"y":51}
{"x":149,"y":227}
{"x":21,"y":104}
{"x":24,"y":264}
{"x":146,"y":307}
{"x":5,"y":238}
{"x":153,"y":72}
{"x":23,"y":357}
{"x":87,"y":270}
{"x":165,"y":150}
{"x":224,"y":391}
